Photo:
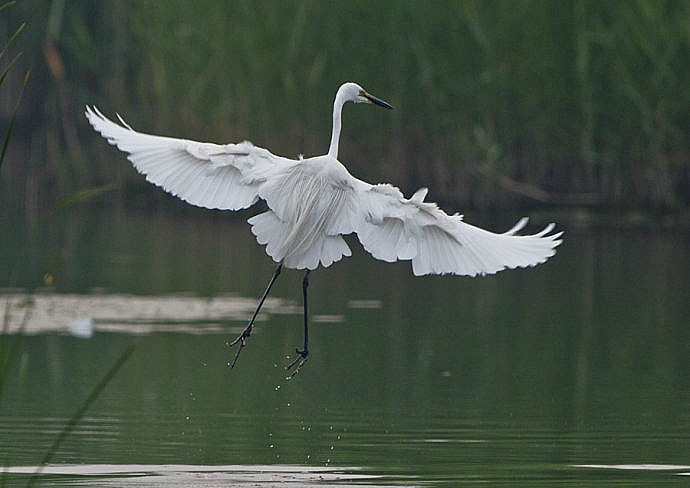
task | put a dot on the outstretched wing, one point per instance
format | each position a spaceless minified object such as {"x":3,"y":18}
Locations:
{"x":226,"y":177}
{"x":391,"y":227}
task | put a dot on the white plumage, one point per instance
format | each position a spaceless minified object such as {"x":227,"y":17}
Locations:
{"x":313,"y":202}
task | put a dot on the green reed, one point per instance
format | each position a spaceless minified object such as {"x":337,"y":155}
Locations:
{"x":496,"y":102}
{"x":11,"y":340}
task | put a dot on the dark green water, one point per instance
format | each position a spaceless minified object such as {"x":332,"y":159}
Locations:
{"x":517,"y":379}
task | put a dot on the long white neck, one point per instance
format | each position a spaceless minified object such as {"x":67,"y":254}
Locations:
{"x":337,"y":123}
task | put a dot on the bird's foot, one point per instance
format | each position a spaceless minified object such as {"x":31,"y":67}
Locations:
{"x":302,"y":356}
{"x":242,"y":340}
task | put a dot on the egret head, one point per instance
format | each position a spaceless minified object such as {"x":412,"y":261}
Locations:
{"x":352,"y":92}
{"x":348,"y":92}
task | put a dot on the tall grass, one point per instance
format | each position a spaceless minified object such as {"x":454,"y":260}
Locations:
{"x":11,"y":340}
{"x":79,"y":413}
{"x":7,"y":69}
{"x":496,"y":102}
{"x":9,"y":347}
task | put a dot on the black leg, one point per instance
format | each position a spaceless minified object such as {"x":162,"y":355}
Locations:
{"x":305,"y":284}
{"x":303,"y":354}
{"x":242,"y":338}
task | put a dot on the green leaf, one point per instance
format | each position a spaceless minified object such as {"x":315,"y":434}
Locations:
{"x":12,"y":120}
{"x":79,"y":197}
{"x":76,"y":418}
{"x":16,"y":33}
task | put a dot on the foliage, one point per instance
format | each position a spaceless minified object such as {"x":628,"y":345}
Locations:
{"x":79,"y":414}
{"x":568,"y":102}
{"x":9,"y":348}
{"x":10,"y":343}
{"x":5,"y":72}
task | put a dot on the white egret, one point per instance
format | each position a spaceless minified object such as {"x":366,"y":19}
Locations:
{"x":312,"y":202}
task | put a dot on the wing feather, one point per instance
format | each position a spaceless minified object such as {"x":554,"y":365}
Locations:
{"x":391,"y":227}
{"x":227,"y":177}
{"x":309,"y":212}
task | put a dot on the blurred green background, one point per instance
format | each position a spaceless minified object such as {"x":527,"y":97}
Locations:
{"x":498,"y":106}
{"x":497,"y":103}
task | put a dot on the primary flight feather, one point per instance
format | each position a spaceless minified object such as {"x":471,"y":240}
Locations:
{"x":314,"y":201}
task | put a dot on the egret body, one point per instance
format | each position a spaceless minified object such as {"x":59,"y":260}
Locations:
{"x":313,"y":202}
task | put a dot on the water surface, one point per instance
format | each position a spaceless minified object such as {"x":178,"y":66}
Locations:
{"x":573,"y":373}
